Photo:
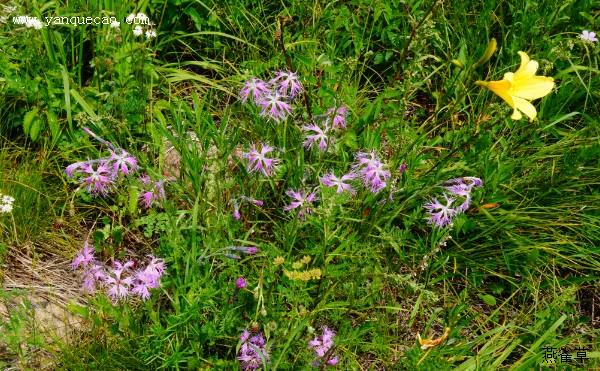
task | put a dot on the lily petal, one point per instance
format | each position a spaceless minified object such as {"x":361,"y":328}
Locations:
{"x":501,"y":88}
{"x":532,"y":87}
{"x":528,"y":67}
{"x":524,"y":106}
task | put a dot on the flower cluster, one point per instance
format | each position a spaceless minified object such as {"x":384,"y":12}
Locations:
{"x":275,"y":96}
{"x":371,"y":170}
{"x":140,"y":19}
{"x":322,"y":345}
{"x":241,"y":283}
{"x":319,"y":136}
{"x":152,"y":191}
{"x":253,"y":353}
{"x":6,"y":203}
{"x":306,"y":275}
{"x":120,"y":280}
{"x":98,"y":176}
{"x":441,"y":214}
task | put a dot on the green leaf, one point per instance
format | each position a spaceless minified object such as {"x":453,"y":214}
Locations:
{"x":36,"y":127}
{"x":54,"y":126}
{"x":86,"y":107}
{"x":488,"y":299}
{"x":28,"y":119}
{"x":132,"y":203}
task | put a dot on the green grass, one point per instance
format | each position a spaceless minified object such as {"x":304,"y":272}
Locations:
{"x":516,"y":273}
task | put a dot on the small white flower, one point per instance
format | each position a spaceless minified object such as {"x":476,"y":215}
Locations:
{"x":150,"y":34}
{"x":115,"y":24}
{"x":137,"y":31}
{"x":6,"y":204}
{"x":588,"y":36}
{"x":130,"y":18}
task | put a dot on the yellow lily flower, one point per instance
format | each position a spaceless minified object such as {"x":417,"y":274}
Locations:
{"x":520,"y":87}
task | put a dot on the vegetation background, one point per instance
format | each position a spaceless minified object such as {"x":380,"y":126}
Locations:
{"x":516,"y":273}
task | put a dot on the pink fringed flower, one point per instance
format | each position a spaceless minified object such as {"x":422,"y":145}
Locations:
{"x":372,"y":171}
{"x":322,"y":345}
{"x":119,"y":286}
{"x":319,"y":136}
{"x":258,"y":160}
{"x":339,"y":117}
{"x":123,"y":162}
{"x":99,"y":178}
{"x":255,"y":88}
{"x":330,"y":180}
{"x":440,"y":214}
{"x":275,"y":107}
{"x":84,"y":257}
{"x":301,"y":200}
{"x":253,"y":352}
{"x":154,"y":194}
{"x":287,"y":84}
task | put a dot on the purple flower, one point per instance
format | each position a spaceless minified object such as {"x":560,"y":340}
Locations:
{"x":339,"y":117}
{"x":462,"y":187}
{"x":302,"y":200}
{"x":440,"y":214}
{"x":123,"y":162}
{"x":403,"y":167}
{"x":99,"y":179}
{"x":252,"y":200}
{"x":241,"y":283}
{"x":588,"y":36}
{"x":119,"y":286}
{"x":322,"y":344}
{"x":250,"y":250}
{"x":330,"y":180}
{"x":372,"y":171}
{"x":274,"y":107}
{"x":148,"y":278}
{"x":144,"y":179}
{"x":258,"y":161}
{"x":77,"y":166}
{"x":286,"y":83}
{"x":156,"y":193}
{"x":332,"y":361}
{"x":255,"y":88}
{"x":91,"y":275}
{"x":319,"y":136}
{"x":252,"y":351}
{"x":84,"y":257}
{"x":236,"y":210}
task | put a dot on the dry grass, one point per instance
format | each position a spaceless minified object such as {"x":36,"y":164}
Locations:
{"x":38,"y":289}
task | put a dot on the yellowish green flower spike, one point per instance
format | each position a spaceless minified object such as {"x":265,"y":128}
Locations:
{"x":519,"y":88}
{"x":487,"y":54}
